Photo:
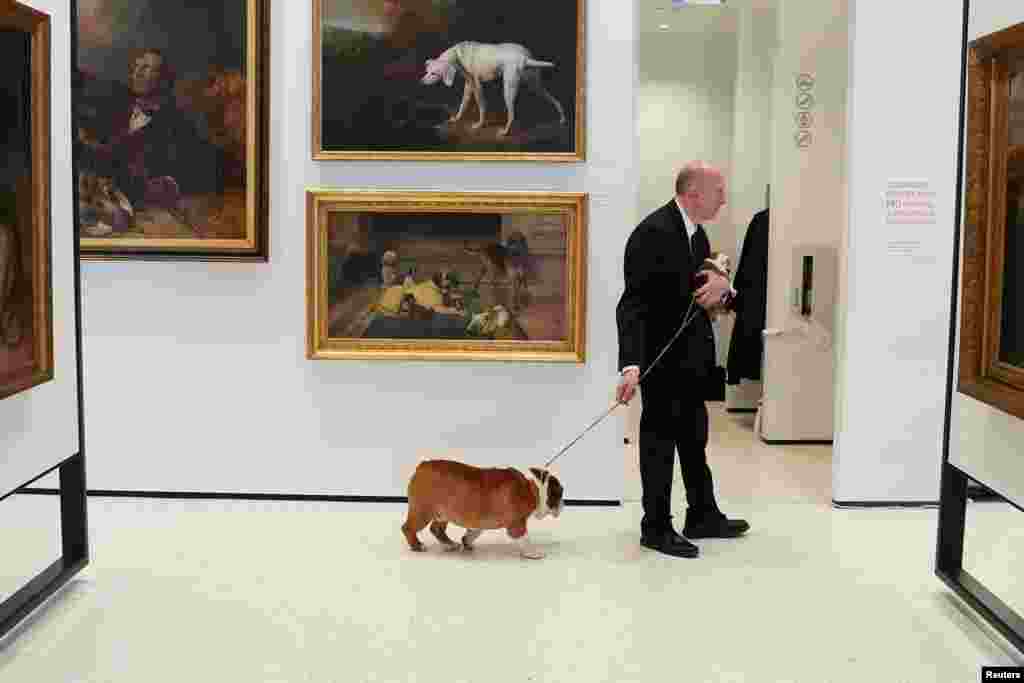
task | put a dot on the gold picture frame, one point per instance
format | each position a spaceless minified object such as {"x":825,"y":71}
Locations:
{"x":994,"y":167}
{"x":217,"y":207}
{"x":411,"y":111}
{"x":389,"y":275}
{"x":26,"y":294}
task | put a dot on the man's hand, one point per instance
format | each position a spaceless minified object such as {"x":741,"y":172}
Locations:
{"x":711,"y":292}
{"x":627,"y":386}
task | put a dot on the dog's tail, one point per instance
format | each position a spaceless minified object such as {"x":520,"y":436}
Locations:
{"x":537,"y":62}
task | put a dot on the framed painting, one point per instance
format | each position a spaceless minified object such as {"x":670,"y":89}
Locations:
{"x":446,"y":276}
{"x":171,"y":125}
{"x":26,"y":302}
{"x":448,"y":79}
{"x":992,"y":320}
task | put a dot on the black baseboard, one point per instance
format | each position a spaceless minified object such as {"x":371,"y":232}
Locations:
{"x":202,"y":495}
{"x":867,"y":504}
{"x":783,"y":442}
{"x":741,"y":410}
{"x":979,"y":492}
{"x":74,"y":549}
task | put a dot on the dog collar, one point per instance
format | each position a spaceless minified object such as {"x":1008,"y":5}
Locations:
{"x":542,"y":494}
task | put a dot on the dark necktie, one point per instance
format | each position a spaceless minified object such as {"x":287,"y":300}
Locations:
{"x":700,"y":246}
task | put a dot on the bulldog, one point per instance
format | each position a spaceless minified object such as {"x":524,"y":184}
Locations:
{"x":475,"y":498}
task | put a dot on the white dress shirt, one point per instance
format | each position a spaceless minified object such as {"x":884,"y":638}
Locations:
{"x":691,"y":229}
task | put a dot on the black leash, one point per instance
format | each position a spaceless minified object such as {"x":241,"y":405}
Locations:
{"x":687,"y":317}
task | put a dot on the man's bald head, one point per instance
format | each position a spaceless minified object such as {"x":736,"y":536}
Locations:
{"x":700,"y":188}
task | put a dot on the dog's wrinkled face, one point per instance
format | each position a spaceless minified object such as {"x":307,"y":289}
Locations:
{"x":555,"y":491}
{"x":438,"y":69}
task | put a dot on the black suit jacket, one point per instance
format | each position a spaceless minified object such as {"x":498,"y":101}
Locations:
{"x":169,"y":145}
{"x":659,"y":269}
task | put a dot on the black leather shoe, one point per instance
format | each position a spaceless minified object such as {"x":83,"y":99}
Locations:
{"x":716,"y":526}
{"x":668,"y":542}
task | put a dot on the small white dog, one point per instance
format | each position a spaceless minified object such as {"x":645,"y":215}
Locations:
{"x":480,"y":63}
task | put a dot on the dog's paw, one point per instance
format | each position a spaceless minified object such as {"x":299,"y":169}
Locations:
{"x":451,"y":547}
{"x":419,"y":548}
{"x":532,"y":553}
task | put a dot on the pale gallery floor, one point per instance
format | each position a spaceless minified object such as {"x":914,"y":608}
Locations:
{"x":257,"y":592}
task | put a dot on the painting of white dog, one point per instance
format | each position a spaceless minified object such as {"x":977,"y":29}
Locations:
{"x":429,"y":77}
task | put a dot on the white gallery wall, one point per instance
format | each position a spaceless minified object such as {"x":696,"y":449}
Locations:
{"x":39,"y":426}
{"x":903,"y":126}
{"x":757,"y":48}
{"x":196,"y":377}
{"x":685,"y":103}
{"x":752,"y":144}
{"x":987,"y":443}
{"x":688,"y":73}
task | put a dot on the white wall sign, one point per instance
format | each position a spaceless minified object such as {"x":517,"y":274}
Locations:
{"x":909,"y":202}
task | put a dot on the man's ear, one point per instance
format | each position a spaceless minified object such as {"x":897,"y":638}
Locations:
{"x":542,"y":475}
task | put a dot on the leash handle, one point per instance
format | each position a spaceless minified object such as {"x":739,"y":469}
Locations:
{"x":687,"y":318}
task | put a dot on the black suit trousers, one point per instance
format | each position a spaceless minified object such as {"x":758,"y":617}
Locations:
{"x":673,"y":420}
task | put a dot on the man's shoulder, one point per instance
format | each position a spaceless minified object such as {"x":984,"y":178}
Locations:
{"x":657,"y":221}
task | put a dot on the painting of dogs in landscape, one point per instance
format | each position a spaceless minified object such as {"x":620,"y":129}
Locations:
{"x":474,"y":275}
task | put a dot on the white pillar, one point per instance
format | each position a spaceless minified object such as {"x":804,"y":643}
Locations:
{"x":903,"y":125}
{"x":807,"y":217}
{"x":757,"y":44}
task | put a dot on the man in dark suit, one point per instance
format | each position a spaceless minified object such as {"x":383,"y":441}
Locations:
{"x":662,"y":256}
{"x":137,"y":136}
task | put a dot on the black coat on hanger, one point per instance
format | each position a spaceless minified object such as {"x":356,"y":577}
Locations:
{"x":751,"y":284}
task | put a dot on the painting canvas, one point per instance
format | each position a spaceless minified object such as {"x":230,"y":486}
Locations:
{"x":1011,"y":346}
{"x":448,"y":79}
{"x":446,"y":276}
{"x":171,"y":129}
{"x":26,"y":343}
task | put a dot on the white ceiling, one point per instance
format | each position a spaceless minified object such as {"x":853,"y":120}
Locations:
{"x":651,"y":14}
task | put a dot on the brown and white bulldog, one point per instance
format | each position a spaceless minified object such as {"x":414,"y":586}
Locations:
{"x":475,"y":498}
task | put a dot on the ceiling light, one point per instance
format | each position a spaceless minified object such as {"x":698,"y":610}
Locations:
{"x":676,"y":4}
{"x":664,"y":27}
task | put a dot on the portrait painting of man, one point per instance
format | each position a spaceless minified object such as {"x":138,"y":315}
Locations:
{"x":167,"y":162}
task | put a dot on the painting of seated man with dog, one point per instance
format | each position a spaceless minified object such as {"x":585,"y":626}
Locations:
{"x":447,"y":276}
{"x":161,"y":129}
{"x":460,"y":78}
